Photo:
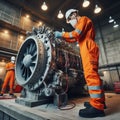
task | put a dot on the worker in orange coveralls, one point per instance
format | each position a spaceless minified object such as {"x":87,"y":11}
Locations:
{"x":10,"y":77}
{"x":84,"y":34}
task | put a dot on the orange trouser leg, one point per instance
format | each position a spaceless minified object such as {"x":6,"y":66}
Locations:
{"x":96,"y":95}
{"x":12,"y":77}
{"x":5,"y":83}
{"x":94,"y":83}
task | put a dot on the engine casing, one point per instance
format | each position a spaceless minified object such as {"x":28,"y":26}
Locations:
{"x":46,"y":66}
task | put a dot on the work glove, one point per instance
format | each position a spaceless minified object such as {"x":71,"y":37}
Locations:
{"x":58,"y":34}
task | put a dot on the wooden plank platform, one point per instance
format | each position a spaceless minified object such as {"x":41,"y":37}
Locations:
{"x":51,"y":112}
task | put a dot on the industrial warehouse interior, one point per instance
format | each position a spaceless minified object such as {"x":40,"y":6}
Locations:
{"x":46,"y":76}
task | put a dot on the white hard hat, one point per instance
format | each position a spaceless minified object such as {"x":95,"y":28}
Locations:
{"x":13,"y":58}
{"x":67,"y":14}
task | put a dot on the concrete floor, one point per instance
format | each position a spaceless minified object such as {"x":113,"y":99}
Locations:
{"x":51,"y":112}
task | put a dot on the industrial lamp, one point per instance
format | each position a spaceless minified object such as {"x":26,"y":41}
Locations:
{"x":44,"y":6}
{"x":60,"y":15}
{"x":97,"y":9}
{"x":115,"y":24}
{"x":86,"y":3}
{"x":111,"y":19}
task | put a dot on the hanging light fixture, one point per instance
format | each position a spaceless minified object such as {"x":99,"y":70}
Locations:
{"x":97,"y":9}
{"x":86,"y":3}
{"x":115,"y":24}
{"x":6,"y":31}
{"x":60,"y":15}
{"x":44,"y":6}
{"x":27,"y":16}
{"x":111,"y":19}
{"x":39,"y":23}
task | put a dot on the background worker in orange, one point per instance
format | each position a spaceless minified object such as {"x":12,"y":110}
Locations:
{"x":84,"y":34}
{"x":9,"y":77}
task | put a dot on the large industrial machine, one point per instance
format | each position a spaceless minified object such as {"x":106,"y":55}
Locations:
{"x":48,"y":69}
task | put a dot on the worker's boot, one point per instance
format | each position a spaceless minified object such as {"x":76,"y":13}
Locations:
{"x":1,"y":94}
{"x":91,"y":112}
{"x":87,"y":105}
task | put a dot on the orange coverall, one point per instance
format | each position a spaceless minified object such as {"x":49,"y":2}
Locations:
{"x":84,"y":34}
{"x":9,"y":78}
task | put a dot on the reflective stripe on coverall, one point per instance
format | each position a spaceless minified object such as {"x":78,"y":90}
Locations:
{"x":84,"y":34}
{"x":9,"y":78}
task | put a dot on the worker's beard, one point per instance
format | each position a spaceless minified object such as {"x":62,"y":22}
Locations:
{"x":73,"y":22}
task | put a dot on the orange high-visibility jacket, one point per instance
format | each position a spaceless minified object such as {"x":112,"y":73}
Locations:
{"x":84,"y":34}
{"x":9,"y":78}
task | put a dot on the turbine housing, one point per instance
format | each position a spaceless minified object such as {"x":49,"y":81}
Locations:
{"x":47,"y":67}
